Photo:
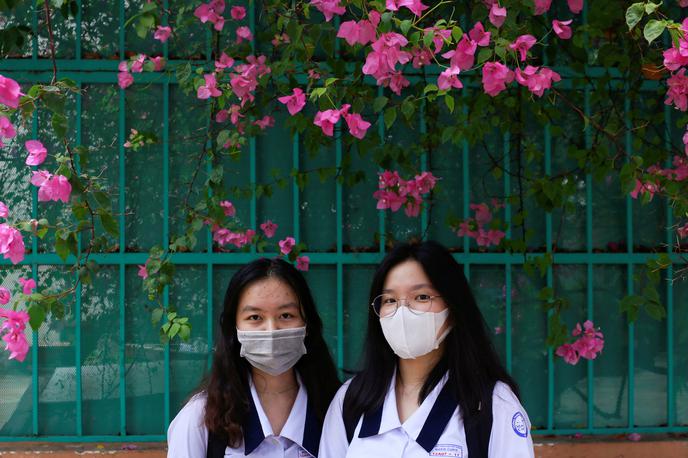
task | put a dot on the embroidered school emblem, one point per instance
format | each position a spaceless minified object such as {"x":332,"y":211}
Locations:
{"x":518,"y":423}
{"x":447,"y":450}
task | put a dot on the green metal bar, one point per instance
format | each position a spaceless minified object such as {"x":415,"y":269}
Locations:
{"x":340,"y":270}
{"x":629,"y":280}
{"x":166,"y":230}
{"x":465,"y":164}
{"x":77,"y":311}
{"x":424,"y":163}
{"x":550,"y":284}
{"x":381,"y":213}
{"x":34,"y":36}
{"x":507,"y":266}
{"x":252,"y":140}
{"x":589,"y":267}
{"x":77,"y":31}
{"x":34,"y":275}
{"x":122,"y":224}
{"x":671,"y":402}
{"x":296,"y":204}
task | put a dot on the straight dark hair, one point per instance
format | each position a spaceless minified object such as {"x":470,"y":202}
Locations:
{"x":227,"y":386}
{"x":469,"y":356}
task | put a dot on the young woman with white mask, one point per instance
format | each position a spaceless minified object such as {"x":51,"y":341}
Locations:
{"x":431,"y":383}
{"x":272,"y":376}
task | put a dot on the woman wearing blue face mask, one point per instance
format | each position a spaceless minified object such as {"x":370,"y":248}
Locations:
{"x":431,"y":382}
{"x":272,"y":376}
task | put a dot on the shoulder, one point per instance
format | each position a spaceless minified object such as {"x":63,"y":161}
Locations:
{"x":508,"y":412}
{"x":338,"y":399}
{"x":192,"y":414}
{"x":504,"y":396}
{"x":187,"y":436}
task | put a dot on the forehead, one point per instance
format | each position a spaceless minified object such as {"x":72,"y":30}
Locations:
{"x":405,"y":275}
{"x":267,"y":292}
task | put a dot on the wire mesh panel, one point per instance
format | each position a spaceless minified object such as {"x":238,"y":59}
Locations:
{"x":101,"y":374}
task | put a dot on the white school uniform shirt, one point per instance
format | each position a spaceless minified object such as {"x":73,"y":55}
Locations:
{"x":187,"y":436}
{"x":424,"y":434}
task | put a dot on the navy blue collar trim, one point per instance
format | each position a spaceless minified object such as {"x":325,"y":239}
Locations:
{"x":312,"y":429}
{"x":434,"y":426}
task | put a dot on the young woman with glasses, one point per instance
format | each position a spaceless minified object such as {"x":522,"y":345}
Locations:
{"x":431,"y":382}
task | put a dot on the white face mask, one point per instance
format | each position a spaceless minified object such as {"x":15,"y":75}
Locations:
{"x":274,"y":352}
{"x":412,"y":335}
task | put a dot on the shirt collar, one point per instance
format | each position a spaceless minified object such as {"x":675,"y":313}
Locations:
{"x":301,"y":426}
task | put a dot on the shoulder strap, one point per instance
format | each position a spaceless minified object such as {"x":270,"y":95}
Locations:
{"x":216,"y":446}
{"x":349,"y":426}
{"x":478,"y":431}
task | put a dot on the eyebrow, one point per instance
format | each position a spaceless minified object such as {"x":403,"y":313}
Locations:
{"x":413,"y":288}
{"x":254,"y":308}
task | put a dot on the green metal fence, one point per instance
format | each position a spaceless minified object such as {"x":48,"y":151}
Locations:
{"x":102,"y":375}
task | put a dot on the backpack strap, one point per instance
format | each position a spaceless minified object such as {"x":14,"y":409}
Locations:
{"x":216,"y":446}
{"x":478,"y":431}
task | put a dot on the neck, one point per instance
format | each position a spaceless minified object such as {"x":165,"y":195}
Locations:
{"x":414,"y":372}
{"x":274,"y":384}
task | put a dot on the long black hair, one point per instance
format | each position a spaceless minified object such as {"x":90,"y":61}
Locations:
{"x":227,"y":386}
{"x":468,"y":357}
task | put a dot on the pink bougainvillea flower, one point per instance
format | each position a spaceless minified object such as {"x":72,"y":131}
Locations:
{"x":224,"y":62}
{"x":137,"y":64}
{"x":357,"y":125}
{"x":425,"y":182}
{"x":466,"y":229}
{"x":209,"y":89}
{"x":28,"y":285}
{"x":496,"y":76}
{"x":302,"y":263}
{"x":576,"y":6}
{"x":644,"y":188}
{"x":264,"y":122}
{"x":40,"y":177}
{"x":294,"y":102}
{"x":228,"y":208}
{"x":222,"y":116}
{"x":535,"y":79}
{"x":238,"y":12}
{"x":478,"y":35}
{"x":56,"y":188}
{"x":158,"y":63}
{"x":542,"y":6}
{"x":14,"y":338}
{"x":326,"y":121}
{"x":677,"y":94}
{"x":328,"y":8}
{"x":243,"y":33}
{"x":5,"y":295}
{"x":449,"y":79}
{"x":37,"y":152}
{"x":7,"y":130}
{"x":162,"y":33}
{"x":212,"y":12}
{"x":497,"y":15}
{"x":4,"y":211}
{"x":522,"y":44}
{"x":287,"y":245}
{"x":562,"y":29}
{"x":269,"y":228}
{"x":10,"y":92}
{"x":415,"y":6}
{"x":568,"y":353}
{"x":389,"y":179}
{"x":11,"y":243}
{"x":464,"y":54}
{"x":143,"y":273}
{"x":125,"y":79}
{"x":683,"y":231}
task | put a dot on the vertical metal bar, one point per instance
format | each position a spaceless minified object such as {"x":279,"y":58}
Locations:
{"x":77,"y":31}
{"x":340,"y":268}
{"x":507,"y":265}
{"x":589,"y":268}
{"x":550,"y":283}
{"x":34,"y":275}
{"x":34,"y":28}
{"x":122,"y":208}
{"x":381,"y":213}
{"x":252,"y":140}
{"x":296,"y":204}
{"x":423,"y":167}
{"x":209,"y":235}
{"x":465,"y":164}
{"x":77,"y":307}
{"x":671,"y":406}
{"x":166,"y":229}
{"x":629,"y":238}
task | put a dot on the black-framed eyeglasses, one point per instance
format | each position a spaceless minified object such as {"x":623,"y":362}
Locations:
{"x":386,"y":305}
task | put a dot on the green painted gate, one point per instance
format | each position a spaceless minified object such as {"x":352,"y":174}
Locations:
{"x":102,"y":375}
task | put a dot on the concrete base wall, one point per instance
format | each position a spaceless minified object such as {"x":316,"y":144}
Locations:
{"x":543,"y":449}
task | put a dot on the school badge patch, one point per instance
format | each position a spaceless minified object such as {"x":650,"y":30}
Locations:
{"x":518,"y":423}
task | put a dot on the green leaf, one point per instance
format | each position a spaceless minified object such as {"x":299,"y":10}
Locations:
{"x":449,"y":101}
{"x":109,"y":223}
{"x":390,"y":116}
{"x":653,"y":29}
{"x":652,"y":7}
{"x":630,"y":305}
{"x":408,"y":108}
{"x":59,"y":125}
{"x":634,"y":14}
{"x":405,"y":26}
{"x":174,"y":329}
{"x":62,"y":248}
{"x":429,"y":36}
{"x":185,"y":332}
{"x":456,"y":33}
{"x":36,"y":316}
{"x":156,"y":315}
{"x":379,"y":103}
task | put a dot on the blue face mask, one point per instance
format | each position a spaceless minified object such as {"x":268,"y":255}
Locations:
{"x":273,"y":352}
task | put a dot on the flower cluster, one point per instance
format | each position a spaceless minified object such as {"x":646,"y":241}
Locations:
{"x":590,"y":342}
{"x":137,"y":65}
{"x":477,"y":227}
{"x":13,"y":326}
{"x":11,"y":243}
{"x":394,"y":192}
